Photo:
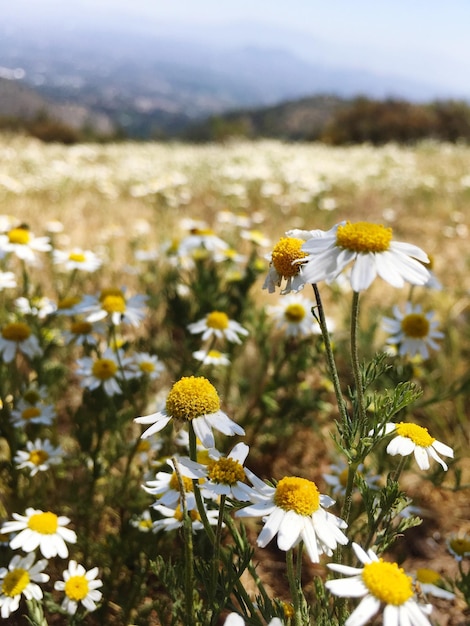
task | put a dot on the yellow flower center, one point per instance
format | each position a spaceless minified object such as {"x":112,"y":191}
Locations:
{"x":363,"y":237}
{"x":295,"y":313}
{"x":192,"y":397}
{"x":15,"y":582}
{"x":76,"y":588}
{"x":297,"y":494}
{"x":104,"y":369}
{"x":387,"y":582}
{"x":145,"y":523}
{"x":78,"y":257}
{"x":415,"y":325}
{"x":68,"y":303}
{"x":193,"y":514}
{"x":147,"y":367}
{"x":30,"y":412}
{"x":81,"y":328}
{"x":16,"y":331}
{"x":38,"y":457}
{"x":427,"y":576}
{"x":215,"y":354}
{"x":217,"y":320}
{"x":44,"y":523}
{"x":187,"y":483}
{"x":417,"y":434}
{"x":19,"y":236}
{"x":201,"y":231}
{"x":288,"y":610}
{"x":285,"y":252}
{"x":460,"y":545}
{"x":225,"y":471}
{"x":113,"y":301}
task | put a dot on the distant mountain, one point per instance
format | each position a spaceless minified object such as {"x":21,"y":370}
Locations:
{"x":156,"y":83}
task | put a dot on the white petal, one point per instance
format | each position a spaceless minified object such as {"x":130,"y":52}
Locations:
{"x":203,"y":432}
{"x":443,"y":449}
{"x":271,"y":527}
{"x":363,"y":272}
{"x":417,"y":614}
{"x":401,"y":445}
{"x":367,"y":608}
{"x":347,"y":587}
{"x":392,"y":616}
{"x":289,"y":530}
{"x":422,"y":458}
{"x":239,"y":452}
{"x":432,"y":453}
{"x":387,"y":270}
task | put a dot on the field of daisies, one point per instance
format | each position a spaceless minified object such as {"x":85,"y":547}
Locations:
{"x":234,"y":384}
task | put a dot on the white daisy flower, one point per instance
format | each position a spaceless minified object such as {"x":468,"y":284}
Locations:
{"x":77,"y":259}
{"x":173,"y":518}
{"x":201,"y":239}
{"x":428,"y":581}
{"x":222,"y":475}
{"x":293,"y":510}
{"x":284,"y":265}
{"x":378,"y":583}
{"x":69,"y":306}
{"x":83,"y":333}
{"x":411,"y":438}
{"x":458,"y":545}
{"x":193,"y":399}
{"x":413,"y":332}
{"x":41,"y":529}
{"x":104,"y":371}
{"x":17,"y":337}
{"x":294,"y":316}
{"x":166,"y":487}
{"x":143,"y":522}
{"x":80,"y":587}
{"x":26,"y":413}
{"x":24,"y":244}
{"x":217,"y":324}
{"x":21,"y":578}
{"x":233,"y":619}
{"x":148,"y":365}
{"x":371,"y":250}
{"x":7,"y":280}
{"x":39,"y":307}
{"x":38,"y":456}
{"x":337,"y":478}
{"x":211,"y":357}
{"x":112,"y":304}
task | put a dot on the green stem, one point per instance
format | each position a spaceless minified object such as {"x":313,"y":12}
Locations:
{"x":355,"y":358}
{"x":188,"y":549}
{"x":346,"y":510}
{"x":320,"y":315}
{"x":294,"y":588}
{"x":216,"y":549}
{"x":197,"y":492}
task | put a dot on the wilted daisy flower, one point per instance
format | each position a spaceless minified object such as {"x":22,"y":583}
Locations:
{"x":41,"y":529}
{"x":458,"y":545}
{"x":26,"y":414}
{"x":413,"y":332}
{"x":429,"y":583}
{"x":193,"y":399}
{"x":293,"y":510}
{"x":379,"y":584}
{"x":173,"y":518}
{"x":283,"y":266}
{"x":411,"y":438}
{"x":77,"y":259}
{"x":211,"y":357}
{"x":113,"y":305}
{"x":371,"y":250}
{"x":217,"y":324}
{"x":38,"y":456}
{"x":104,"y":371}
{"x":7,"y":280}
{"x":222,"y":475}
{"x":145,"y":364}
{"x":18,"y":337}
{"x":166,"y":487}
{"x":23,"y":243}
{"x":80,"y":587}
{"x":20,"y":579}
{"x":294,"y":316}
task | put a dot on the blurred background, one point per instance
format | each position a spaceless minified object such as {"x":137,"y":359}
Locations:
{"x":339,"y":72}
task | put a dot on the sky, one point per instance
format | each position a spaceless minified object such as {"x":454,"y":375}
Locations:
{"x":425,"y":40}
